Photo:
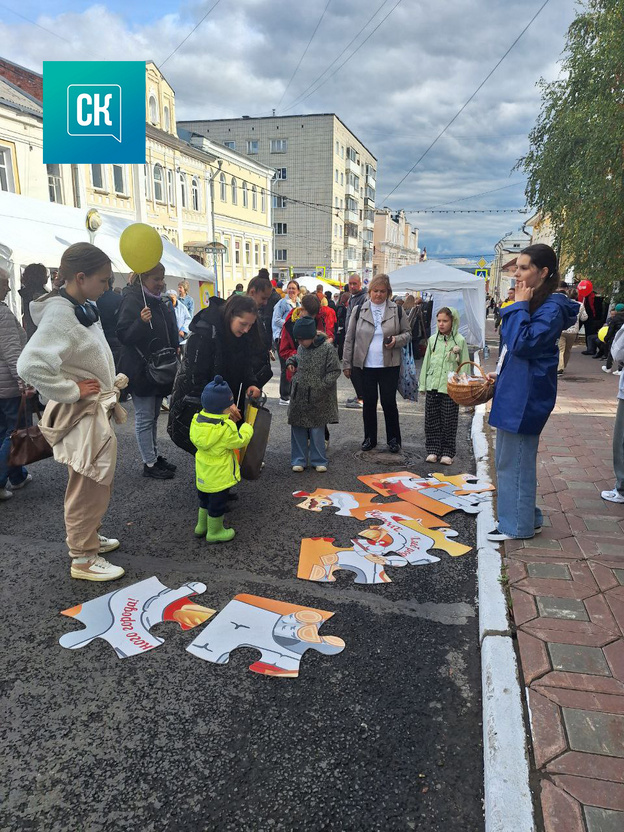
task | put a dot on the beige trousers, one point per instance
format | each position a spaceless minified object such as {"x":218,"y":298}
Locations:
{"x":86,"y":502}
{"x":566,"y":342}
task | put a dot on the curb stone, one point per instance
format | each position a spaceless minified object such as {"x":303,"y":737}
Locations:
{"x":508,"y":799}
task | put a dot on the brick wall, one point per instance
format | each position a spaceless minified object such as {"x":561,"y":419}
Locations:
{"x":27,"y":81}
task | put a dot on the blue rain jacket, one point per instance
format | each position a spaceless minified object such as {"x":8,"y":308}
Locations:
{"x":526,"y":387}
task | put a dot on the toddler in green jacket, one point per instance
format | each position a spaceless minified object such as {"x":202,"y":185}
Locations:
{"x":216,"y":437}
{"x":446,"y":350}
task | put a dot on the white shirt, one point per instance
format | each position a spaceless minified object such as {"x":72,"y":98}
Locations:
{"x":374,"y":356}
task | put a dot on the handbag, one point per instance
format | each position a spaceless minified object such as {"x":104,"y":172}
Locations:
{"x":252,"y":457}
{"x":28,"y":444}
{"x":408,"y":377}
{"x":161,"y":366}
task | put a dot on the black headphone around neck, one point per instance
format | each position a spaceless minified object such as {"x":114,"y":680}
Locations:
{"x":87,"y":313}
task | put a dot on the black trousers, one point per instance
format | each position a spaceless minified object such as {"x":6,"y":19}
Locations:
{"x":215,"y":503}
{"x":441,"y":419}
{"x":385,"y":380}
{"x":356,"y":381}
{"x":284,"y":384}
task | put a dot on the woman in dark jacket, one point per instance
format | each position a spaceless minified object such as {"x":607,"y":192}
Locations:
{"x":222,"y":342}
{"x":145,"y":325}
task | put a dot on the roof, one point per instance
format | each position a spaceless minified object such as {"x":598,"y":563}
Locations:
{"x":11,"y":96}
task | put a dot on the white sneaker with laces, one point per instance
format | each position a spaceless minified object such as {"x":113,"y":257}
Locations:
{"x":5,"y":494}
{"x":617,"y":372}
{"x":284,"y":402}
{"x":604,"y":369}
{"x":612,"y":496}
{"x":95,"y":569}
{"x":20,"y":484}
{"x":107,"y":544}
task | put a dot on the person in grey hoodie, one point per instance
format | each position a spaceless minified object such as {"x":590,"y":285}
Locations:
{"x":616,"y":495}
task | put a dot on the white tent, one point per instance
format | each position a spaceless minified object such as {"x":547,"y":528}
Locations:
{"x":310,"y":282}
{"x":448,"y":287}
{"x":34,"y":231}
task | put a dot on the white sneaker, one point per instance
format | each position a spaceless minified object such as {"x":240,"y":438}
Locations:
{"x":95,"y":569}
{"x":612,"y":496}
{"x":5,"y":494}
{"x":284,"y":402}
{"x":107,"y":544}
{"x":297,"y":468}
{"x":20,"y":484}
{"x":321,"y":468}
{"x":604,"y":369}
{"x":617,"y":372}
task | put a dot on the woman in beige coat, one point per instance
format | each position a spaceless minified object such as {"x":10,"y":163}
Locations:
{"x":377,"y":331}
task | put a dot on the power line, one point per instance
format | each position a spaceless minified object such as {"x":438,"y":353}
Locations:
{"x":304,"y":53}
{"x":461,"y":110}
{"x":190,"y":33}
{"x":464,"y":198}
{"x":472,"y":211}
{"x":34,"y":23}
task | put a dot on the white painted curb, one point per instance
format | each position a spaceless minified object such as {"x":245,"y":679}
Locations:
{"x":508,"y":800}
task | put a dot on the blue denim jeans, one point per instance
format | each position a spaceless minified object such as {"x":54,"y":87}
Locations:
{"x":516,"y":487}
{"x":299,"y":438}
{"x":618,"y":447}
{"x":8,"y":422}
{"x":146,"y":412}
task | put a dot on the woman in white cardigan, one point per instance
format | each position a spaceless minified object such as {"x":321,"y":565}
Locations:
{"x":69,"y":361}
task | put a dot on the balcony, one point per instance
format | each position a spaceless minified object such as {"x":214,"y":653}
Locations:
{"x":369,"y":223}
{"x":352,"y":191}
{"x":350,"y":240}
{"x":351,"y":216}
{"x":352,"y":167}
{"x":369,"y":203}
{"x":351,"y":265}
{"x":371,"y":181}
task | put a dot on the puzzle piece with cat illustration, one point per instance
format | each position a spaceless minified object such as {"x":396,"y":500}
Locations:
{"x":429,"y":495}
{"x":401,"y":534}
{"x":319,"y":559}
{"x":354,"y":504}
{"x":464,"y":483}
{"x":124,"y":617}
{"x":282,"y":633}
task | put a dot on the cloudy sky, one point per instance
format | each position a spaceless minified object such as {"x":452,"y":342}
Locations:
{"x":396,"y":93}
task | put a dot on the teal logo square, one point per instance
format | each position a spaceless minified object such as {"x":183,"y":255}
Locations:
{"x":94,"y":112}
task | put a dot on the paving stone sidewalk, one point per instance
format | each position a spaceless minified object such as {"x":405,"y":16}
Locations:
{"x":567,"y":590}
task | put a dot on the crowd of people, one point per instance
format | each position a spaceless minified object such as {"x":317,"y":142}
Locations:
{"x":90,"y":346}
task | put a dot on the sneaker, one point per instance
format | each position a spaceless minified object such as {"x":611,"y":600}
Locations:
{"x":446,"y":460}
{"x":495,"y":536}
{"x":352,"y":399}
{"x":21,"y":484}
{"x":431,"y":458}
{"x":559,"y":372}
{"x":107,"y":544}
{"x":5,"y":494}
{"x":284,"y":402}
{"x":95,"y":569}
{"x":164,"y":463}
{"x":297,"y":468}
{"x":537,"y":529}
{"x":157,"y":473}
{"x":612,"y":496}
{"x":356,"y":404}
{"x":164,"y":407}
{"x":605,"y":369}
{"x":617,"y":372}
{"x":321,"y":468}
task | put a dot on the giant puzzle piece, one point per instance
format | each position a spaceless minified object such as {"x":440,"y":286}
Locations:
{"x":465,"y":483}
{"x":401,"y":534}
{"x":429,"y":495}
{"x":354,"y":504}
{"x":319,"y":559}
{"x":124,"y":617}
{"x":282,"y":632}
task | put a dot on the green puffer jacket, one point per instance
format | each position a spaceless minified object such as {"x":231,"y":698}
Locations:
{"x":440,"y":358}
{"x":215,"y":436}
{"x":313,"y":397}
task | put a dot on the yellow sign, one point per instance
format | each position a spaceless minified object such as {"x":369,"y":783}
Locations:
{"x":481,"y":263}
{"x":206,"y":291}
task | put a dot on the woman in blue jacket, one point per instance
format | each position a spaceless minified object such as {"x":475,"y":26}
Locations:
{"x":526,"y":387}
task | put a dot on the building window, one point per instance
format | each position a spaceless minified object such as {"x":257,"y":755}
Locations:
{"x":335,"y":229}
{"x":279,"y":201}
{"x":6,"y":170}
{"x":167,"y":119}
{"x":55,"y":183}
{"x":352,"y":154}
{"x":263,"y":201}
{"x":264,"y":255}
{"x":279,"y":145}
{"x":223,"y":188}
{"x":248,"y":254}
{"x":183,"y":194}
{"x":237,"y":252}
{"x":281,"y":254}
{"x":159,"y":189}
{"x":226,"y":253}
{"x":280,"y":173}
{"x":97,"y":176}
{"x":337,"y":148}
{"x":234,"y":192}
{"x":118,"y":179}
{"x":336,"y":176}
{"x":231,"y":145}
{"x":153,"y":109}
{"x":170,"y":187}
{"x":252,"y":147}
{"x":280,"y":227}
{"x":195,"y":194}
{"x":245,"y":195}
{"x":342,"y":151}
{"x":254,"y":198}
{"x":336,"y":202}
{"x":342,"y":178}
{"x":148,"y":182}
{"x":257,"y":254}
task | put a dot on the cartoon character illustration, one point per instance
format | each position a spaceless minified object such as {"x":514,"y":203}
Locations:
{"x":319,"y":559}
{"x":465,"y":483}
{"x":401,"y":534}
{"x":429,"y":495}
{"x":124,"y":617}
{"x":353,"y":504}
{"x":282,"y":632}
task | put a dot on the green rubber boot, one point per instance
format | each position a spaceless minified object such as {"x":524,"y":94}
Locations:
{"x":202,"y":523}
{"x":216,"y":532}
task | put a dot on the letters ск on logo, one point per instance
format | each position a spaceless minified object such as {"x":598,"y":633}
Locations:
{"x":92,"y":108}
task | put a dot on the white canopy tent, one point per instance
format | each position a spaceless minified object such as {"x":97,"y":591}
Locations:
{"x":33,"y":231}
{"x":448,"y":287}
{"x":310,"y":282}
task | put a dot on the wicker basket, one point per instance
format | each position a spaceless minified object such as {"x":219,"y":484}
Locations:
{"x":474,"y":393}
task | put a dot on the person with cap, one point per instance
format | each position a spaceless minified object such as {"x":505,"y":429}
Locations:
{"x":616,"y":321}
{"x":596,"y":314}
{"x":313,"y":398}
{"x":216,"y":437}
{"x":182,"y":315}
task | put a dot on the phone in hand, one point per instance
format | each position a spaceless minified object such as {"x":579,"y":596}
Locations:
{"x":387,"y":339}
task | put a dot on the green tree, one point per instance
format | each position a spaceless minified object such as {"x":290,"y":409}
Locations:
{"x":575,"y":165}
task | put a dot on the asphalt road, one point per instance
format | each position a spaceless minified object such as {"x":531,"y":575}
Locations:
{"x":384,"y":736}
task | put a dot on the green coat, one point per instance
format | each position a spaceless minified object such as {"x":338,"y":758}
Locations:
{"x":215,"y":436}
{"x":440,"y":360}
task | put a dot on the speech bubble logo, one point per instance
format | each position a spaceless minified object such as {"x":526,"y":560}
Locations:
{"x":94,"y":110}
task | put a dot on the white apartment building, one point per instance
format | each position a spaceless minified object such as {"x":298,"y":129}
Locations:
{"x":323,"y":191}
{"x":395,"y":242}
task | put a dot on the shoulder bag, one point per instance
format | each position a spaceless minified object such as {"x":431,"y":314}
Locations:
{"x":28,"y":444}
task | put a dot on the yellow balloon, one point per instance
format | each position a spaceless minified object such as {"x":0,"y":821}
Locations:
{"x":141,"y":247}
{"x":602,"y":333}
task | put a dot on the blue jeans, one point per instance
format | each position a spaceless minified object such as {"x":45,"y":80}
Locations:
{"x":516,"y":488}
{"x":618,"y":447}
{"x":299,"y":446}
{"x":8,"y":422}
{"x":146,"y":412}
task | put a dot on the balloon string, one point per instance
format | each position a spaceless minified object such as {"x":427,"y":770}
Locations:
{"x":144,"y":298}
